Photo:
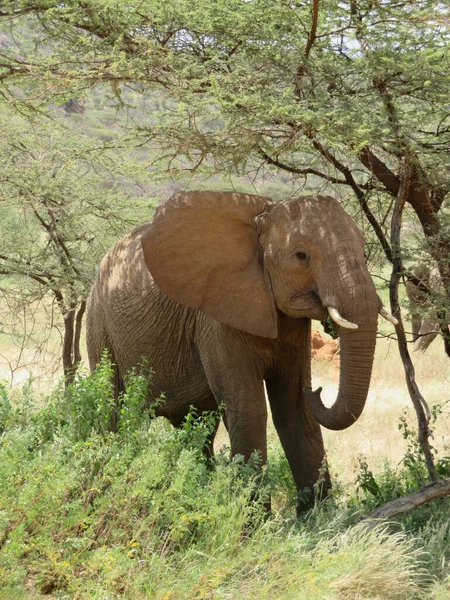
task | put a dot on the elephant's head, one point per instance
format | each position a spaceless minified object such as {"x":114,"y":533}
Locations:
{"x":241,"y":259}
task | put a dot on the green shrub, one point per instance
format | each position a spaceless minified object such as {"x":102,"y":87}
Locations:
{"x":139,"y":513}
{"x":109,"y":502}
{"x":5,"y":407}
{"x":86,"y":408}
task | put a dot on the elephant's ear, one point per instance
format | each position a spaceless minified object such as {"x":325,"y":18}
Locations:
{"x":202,"y":252}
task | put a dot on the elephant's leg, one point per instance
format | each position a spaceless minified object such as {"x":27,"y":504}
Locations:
{"x":208,"y":449}
{"x":235,"y":376}
{"x":245,"y":417}
{"x":427,"y":334}
{"x":97,"y":343}
{"x":245,"y":410}
{"x":247,"y":427}
{"x":301,"y":438}
{"x":415,"y":326}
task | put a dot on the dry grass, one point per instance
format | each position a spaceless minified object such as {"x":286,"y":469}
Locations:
{"x":441,"y":591}
{"x":375,"y":564}
{"x":376,"y":435}
{"x":318,"y":558}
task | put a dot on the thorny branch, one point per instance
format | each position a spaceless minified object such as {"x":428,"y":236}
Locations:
{"x":419,"y":402}
{"x":312,"y":35}
{"x":359,"y":193}
{"x":313,"y":31}
{"x":299,"y":170}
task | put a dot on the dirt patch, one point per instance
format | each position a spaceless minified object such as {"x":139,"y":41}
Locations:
{"x":321,"y":347}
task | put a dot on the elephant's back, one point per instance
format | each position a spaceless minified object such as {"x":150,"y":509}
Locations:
{"x":137,"y":321}
{"x":123,"y":266}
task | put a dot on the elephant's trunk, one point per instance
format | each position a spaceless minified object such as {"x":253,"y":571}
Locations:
{"x":357,"y":353}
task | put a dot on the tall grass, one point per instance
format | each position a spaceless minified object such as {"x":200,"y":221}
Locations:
{"x":86,"y":513}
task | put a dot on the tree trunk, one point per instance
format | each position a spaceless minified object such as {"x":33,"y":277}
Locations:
{"x":71,"y":355}
{"x":78,"y":327}
{"x":426,"y":201}
{"x":67,"y":352}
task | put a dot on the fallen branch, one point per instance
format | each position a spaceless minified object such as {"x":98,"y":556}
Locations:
{"x":431,"y":491}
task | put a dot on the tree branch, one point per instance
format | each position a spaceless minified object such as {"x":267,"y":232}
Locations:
{"x":419,"y":402}
{"x":360,"y":195}
{"x":299,"y":171}
{"x":309,"y":43}
{"x":313,"y":31}
{"x":65,"y":256}
{"x":437,"y":489}
{"x":379,"y":169}
{"x":77,"y":335}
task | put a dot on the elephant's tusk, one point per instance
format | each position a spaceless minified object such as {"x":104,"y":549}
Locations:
{"x":384,"y":313}
{"x":340,"y":320}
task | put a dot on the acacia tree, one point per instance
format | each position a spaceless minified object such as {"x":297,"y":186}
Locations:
{"x":342,"y":91}
{"x":58,"y":216}
{"x":351,"y":93}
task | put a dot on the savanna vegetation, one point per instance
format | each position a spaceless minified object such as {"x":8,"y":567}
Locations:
{"x":139,"y":514}
{"x":107,"y":107}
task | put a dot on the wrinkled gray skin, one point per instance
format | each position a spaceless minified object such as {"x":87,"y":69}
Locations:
{"x":218,"y":293}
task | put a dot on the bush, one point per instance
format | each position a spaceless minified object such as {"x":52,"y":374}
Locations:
{"x":140,"y":513}
{"x":5,"y":407}
{"x":103,"y":504}
{"x":86,"y":408}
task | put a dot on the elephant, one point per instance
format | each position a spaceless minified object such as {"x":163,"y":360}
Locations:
{"x":217,"y":294}
{"x":424,"y":329}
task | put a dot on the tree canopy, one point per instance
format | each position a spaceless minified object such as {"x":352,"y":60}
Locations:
{"x":344,"y":91}
{"x":58,"y":217}
{"x":343,"y":95}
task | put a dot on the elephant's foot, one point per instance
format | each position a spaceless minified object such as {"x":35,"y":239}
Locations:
{"x":310,"y":495}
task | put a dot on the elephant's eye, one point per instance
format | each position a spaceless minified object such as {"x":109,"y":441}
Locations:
{"x":302,"y":255}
